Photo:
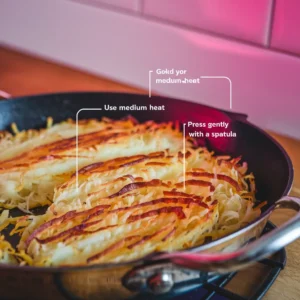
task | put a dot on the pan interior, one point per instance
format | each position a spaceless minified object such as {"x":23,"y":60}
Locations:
{"x":265,"y":158}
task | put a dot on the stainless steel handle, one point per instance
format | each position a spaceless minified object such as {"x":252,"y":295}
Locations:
{"x":247,"y":255}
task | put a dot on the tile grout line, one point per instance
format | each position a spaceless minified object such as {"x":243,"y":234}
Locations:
{"x":140,"y":14}
{"x":158,"y":20}
{"x":270,"y":24}
{"x":140,"y":6}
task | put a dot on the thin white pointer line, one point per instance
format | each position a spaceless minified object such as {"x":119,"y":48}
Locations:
{"x":230,"y":86}
{"x":150,"y":83}
{"x":184,"y":156}
{"x":77,"y":140}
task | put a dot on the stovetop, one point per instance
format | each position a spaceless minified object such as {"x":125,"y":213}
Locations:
{"x":249,"y":284}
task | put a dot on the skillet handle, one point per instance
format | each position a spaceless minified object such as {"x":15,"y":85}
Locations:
{"x":249,"y":254}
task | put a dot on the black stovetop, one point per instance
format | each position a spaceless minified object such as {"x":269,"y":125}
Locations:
{"x":253,"y":281}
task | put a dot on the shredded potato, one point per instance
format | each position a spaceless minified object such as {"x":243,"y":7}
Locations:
{"x":8,"y":255}
{"x":133,"y":196}
{"x":3,"y":217}
{"x":33,"y":162}
{"x":128,"y":207}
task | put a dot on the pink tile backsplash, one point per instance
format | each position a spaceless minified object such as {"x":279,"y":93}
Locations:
{"x":265,"y":83}
{"x":132,"y":5}
{"x":286,"y":28}
{"x":242,"y":19}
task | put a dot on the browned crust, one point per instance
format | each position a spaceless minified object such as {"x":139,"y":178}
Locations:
{"x":100,"y":209}
{"x":138,"y":185}
{"x":226,"y":178}
{"x":111,"y":248}
{"x":148,"y":237}
{"x":119,"y":162}
{"x":66,"y":217}
{"x":163,"y":210}
{"x":42,"y":153}
{"x":196,"y":183}
{"x":64,"y":148}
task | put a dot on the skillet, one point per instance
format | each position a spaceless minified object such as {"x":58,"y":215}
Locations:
{"x":161,"y":274}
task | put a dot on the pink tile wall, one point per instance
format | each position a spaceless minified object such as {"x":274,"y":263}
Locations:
{"x":286,"y":30}
{"x":271,"y":23}
{"x":265,"y":83}
{"x":242,"y":19}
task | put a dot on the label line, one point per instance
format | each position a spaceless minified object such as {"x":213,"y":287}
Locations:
{"x":184,"y":156}
{"x":230,"y":86}
{"x":77,"y":134}
{"x":150,"y":83}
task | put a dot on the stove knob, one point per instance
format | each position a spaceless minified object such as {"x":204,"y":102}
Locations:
{"x":160,"y":283}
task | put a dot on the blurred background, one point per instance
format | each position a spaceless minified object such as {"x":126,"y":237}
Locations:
{"x":256,"y":44}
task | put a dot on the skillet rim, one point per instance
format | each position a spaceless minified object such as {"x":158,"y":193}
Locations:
{"x":240,"y":117}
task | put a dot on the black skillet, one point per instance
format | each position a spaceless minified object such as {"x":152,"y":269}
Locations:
{"x":160,"y":273}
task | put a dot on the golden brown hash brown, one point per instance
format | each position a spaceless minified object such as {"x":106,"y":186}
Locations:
{"x":134,"y":196}
{"x":32,"y":163}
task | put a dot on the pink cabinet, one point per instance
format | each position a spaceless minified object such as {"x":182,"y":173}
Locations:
{"x":286,"y":26}
{"x":242,"y":19}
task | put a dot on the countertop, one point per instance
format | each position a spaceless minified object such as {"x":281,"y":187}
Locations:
{"x":21,"y":74}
